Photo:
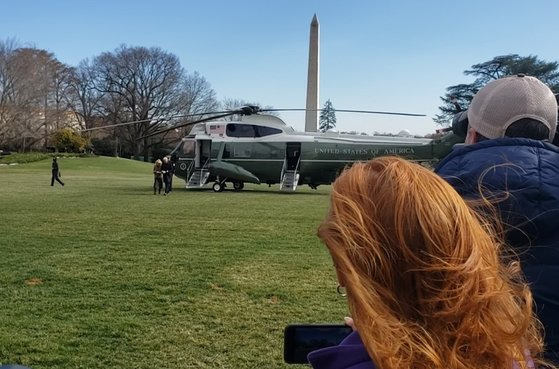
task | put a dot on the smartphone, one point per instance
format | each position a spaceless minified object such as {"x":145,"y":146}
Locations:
{"x":300,"y":339}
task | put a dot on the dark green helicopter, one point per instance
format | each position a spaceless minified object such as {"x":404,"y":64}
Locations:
{"x":261,"y":148}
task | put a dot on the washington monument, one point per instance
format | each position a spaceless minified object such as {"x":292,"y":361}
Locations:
{"x":311,"y":117}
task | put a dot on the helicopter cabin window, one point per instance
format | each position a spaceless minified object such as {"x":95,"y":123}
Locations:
{"x":240,"y":130}
{"x":262,"y":131}
{"x":188,"y":148}
{"x":242,"y":149}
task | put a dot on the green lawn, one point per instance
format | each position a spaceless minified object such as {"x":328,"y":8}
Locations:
{"x":103,"y":274}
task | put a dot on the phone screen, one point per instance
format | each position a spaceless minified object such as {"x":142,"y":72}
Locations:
{"x":299,"y":340}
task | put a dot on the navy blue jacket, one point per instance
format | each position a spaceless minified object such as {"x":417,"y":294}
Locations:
{"x":522,"y":175}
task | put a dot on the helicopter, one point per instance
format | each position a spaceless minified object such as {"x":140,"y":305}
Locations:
{"x":261,"y":148}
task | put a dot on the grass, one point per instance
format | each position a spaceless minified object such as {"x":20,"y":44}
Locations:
{"x":23,"y":158}
{"x":101,"y":273}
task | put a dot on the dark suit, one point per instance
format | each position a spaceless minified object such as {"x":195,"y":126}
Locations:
{"x":55,"y":174}
{"x":167,"y":169}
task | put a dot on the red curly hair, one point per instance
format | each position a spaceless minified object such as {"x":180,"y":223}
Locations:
{"x":426,"y":282}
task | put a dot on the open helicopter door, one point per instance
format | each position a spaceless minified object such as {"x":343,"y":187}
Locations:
{"x":201,"y":171}
{"x":290,"y":171}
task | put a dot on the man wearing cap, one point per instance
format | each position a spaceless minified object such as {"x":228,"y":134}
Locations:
{"x":509,"y":161}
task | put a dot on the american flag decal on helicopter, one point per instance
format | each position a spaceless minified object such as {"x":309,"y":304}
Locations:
{"x":217,"y":129}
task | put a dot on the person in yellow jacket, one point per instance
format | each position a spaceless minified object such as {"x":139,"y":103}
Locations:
{"x":157,"y":177}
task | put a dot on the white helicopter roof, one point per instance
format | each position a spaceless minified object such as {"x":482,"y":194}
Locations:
{"x":264,"y":120}
{"x":216,"y":129}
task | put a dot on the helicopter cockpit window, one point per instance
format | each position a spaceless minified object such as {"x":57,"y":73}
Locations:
{"x":262,"y":131}
{"x":240,"y":130}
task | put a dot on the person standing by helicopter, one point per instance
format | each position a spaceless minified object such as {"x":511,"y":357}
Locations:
{"x":173,"y":161}
{"x":167,"y":170}
{"x":55,"y":173}
{"x":157,"y":177}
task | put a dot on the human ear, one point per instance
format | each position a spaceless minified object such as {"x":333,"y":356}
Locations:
{"x":471,"y":137}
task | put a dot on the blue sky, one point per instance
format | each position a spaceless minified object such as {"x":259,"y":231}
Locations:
{"x":395,"y":55}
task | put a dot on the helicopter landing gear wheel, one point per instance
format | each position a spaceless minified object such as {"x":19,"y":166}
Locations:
{"x":218,"y":187}
{"x":238,"y":186}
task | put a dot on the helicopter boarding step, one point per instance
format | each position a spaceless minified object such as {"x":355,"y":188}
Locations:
{"x":289,"y":180}
{"x":198,"y":178}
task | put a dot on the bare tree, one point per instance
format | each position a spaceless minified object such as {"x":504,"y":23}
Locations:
{"x":198,"y":100}
{"x":150,"y":86}
{"x":39,"y":95}
{"x":59,"y":91}
{"x":7,"y":88}
{"x":31,"y":97}
{"x":83,"y":99}
{"x":23,"y":110}
{"x":197,"y":95}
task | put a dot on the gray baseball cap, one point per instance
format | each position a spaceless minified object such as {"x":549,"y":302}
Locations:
{"x":504,"y":101}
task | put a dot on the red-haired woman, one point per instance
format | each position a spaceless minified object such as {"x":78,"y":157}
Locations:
{"x":426,"y":278}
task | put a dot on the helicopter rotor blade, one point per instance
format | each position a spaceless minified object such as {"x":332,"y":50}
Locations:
{"x":151,"y":120}
{"x":189,"y":124}
{"x":380,"y":112}
{"x":205,"y":113}
{"x":115,"y":125}
{"x":351,"y":111}
{"x":244,"y":110}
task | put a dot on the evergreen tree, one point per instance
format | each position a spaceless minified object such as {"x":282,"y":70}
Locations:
{"x":458,"y":97}
{"x":327,"y":117}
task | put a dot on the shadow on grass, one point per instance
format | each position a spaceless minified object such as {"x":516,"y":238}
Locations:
{"x":254,"y":191}
{"x":278,"y":192}
{"x":179,"y":191}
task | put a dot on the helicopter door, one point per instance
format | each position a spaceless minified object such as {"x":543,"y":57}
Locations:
{"x":292,"y":155}
{"x":290,"y":173}
{"x":201,"y":173}
{"x":203,"y":151}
